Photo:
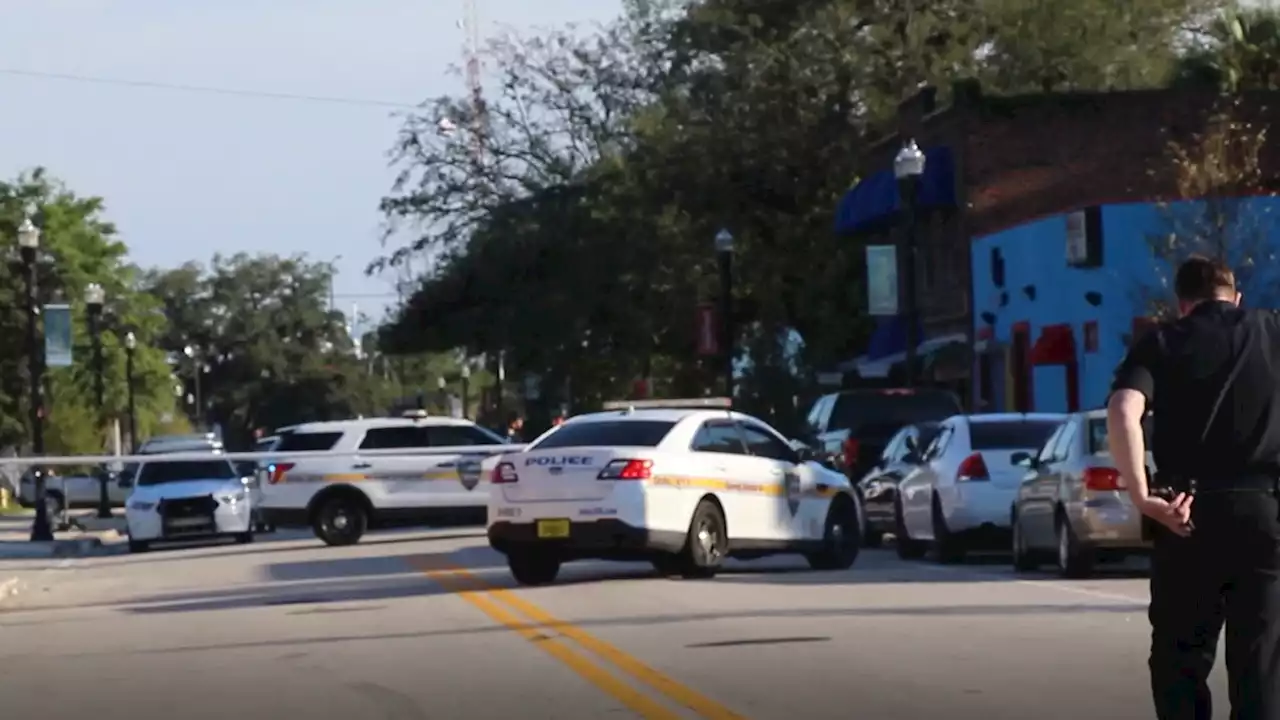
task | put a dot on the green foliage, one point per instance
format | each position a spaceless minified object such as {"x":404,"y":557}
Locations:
{"x":78,"y":247}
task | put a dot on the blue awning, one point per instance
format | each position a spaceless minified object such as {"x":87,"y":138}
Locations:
{"x":876,"y":197}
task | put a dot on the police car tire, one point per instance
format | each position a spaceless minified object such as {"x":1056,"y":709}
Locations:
{"x":244,"y":538}
{"x":695,"y":561}
{"x":356,"y":516}
{"x":533,"y":568}
{"x":839,"y":550}
{"x":139,"y":546}
{"x":907,"y":548}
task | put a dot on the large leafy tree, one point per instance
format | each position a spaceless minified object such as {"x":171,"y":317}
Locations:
{"x":78,"y":247}
{"x":267,"y":350}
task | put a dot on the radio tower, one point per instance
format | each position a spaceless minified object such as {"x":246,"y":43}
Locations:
{"x":471,"y":28}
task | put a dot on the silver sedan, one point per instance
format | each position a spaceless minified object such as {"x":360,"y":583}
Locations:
{"x":1072,"y":507}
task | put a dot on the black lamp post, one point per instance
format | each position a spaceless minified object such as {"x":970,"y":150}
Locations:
{"x":442,"y":395}
{"x":724,"y":253}
{"x":197,"y":369}
{"x":94,"y":299}
{"x":28,"y":247}
{"x":464,"y":374}
{"x":131,"y":345}
{"x":908,"y":167}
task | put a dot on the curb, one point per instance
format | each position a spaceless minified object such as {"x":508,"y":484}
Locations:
{"x":78,"y":547}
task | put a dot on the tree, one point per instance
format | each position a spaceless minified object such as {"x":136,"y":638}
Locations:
{"x":265,"y":346}
{"x":1217,"y":214}
{"x":1238,"y":51}
{"x":77,"y":247}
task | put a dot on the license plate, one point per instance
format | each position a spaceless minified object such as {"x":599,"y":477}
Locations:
{"x":552,"y":529}
{"x":187,"y":522}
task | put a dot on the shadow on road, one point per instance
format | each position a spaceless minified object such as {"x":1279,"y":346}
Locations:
{"x":311,"y":595}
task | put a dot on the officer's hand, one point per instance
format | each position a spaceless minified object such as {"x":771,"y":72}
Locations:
{"x":1175,"y":514}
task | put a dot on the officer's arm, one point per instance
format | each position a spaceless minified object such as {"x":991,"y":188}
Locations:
{"x":1132,"y":389}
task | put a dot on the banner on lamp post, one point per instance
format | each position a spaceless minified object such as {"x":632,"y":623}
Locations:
{"x":882,"y":280}
{"x":708,"y":343}
{"x":57,"y":335}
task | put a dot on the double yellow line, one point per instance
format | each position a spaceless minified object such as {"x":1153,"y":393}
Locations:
{"x":558,"y":639}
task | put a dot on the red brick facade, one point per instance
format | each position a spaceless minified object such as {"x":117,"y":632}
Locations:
{"x":1025,"y":157}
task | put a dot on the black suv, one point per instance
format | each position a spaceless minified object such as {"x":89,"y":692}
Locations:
{"x":849,"y":430}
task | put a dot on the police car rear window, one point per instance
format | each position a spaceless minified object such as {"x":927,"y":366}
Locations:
{"x":1016,"y":435}
{"x":626,"y":433}
{"x":308,"y":442}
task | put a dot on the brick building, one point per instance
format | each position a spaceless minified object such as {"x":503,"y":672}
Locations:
{"x":995,"y":164}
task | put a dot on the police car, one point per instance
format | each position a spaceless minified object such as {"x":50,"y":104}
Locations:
{"x":683,"y":484}
{"x":378,"y":472}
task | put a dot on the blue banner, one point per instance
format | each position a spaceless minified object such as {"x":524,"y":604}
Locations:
{"x":57,"y":335}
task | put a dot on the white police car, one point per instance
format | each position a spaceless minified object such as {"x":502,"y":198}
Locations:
{"x":181,"y":500}
{"x":675,"y":482}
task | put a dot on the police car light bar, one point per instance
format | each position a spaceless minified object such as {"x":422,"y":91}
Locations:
{"x":723,"y":403}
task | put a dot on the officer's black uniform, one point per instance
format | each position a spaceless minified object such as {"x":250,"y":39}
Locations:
{"x":1229,"y":567}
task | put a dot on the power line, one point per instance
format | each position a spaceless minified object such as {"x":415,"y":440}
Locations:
{"x":201,"y":89}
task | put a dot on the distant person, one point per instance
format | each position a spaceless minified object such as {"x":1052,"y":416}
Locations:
{"x":515,"y":430}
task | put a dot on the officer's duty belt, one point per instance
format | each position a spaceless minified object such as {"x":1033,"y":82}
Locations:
{"x":1218,"y":486}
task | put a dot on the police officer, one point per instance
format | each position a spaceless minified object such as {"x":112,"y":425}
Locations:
{"x":1211,"y":380}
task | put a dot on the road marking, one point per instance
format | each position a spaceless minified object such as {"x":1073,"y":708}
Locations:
{"x":665,"y":686}
{"x":581,"y":664}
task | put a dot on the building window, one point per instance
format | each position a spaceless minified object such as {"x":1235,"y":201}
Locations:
{"x":1091,"y":336}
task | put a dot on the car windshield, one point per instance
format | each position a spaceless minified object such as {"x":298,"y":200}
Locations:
{"x":1011,"y":435}
{"x":881,"y":413}
{"x":625,"y":433}
{"x":159,"y":472}
{"x":1099,"y":440}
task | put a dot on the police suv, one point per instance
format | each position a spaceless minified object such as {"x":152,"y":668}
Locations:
{"x":378,"y":472}
{"x":678,"y":483}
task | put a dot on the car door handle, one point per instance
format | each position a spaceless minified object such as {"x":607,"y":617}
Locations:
{"x":361,"y":466}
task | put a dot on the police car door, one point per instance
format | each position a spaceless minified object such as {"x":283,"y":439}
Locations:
{"x":786,"y":484}
{"x":721,"y":454}
{"x":398,"y":481}
{"x":460,"y":445}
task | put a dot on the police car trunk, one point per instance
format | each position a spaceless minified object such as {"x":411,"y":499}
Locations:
{"x":582,"y":485}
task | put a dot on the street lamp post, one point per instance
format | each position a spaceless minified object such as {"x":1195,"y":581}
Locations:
{"x":131,"y":345}
{"x":465,"y":375}
{"x":442,"y":395}
{"x":94,"y":298}
{"x":908,"y":167}
{"x":724,"y":253}
{"x":197,"y":369}
{"x":28,"y":248}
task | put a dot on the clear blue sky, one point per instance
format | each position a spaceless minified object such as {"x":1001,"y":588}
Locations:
{"x":187,"y":174}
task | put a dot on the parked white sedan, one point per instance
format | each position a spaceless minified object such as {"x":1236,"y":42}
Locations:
{"x":959,"y":498}
{"x":179,"y":500}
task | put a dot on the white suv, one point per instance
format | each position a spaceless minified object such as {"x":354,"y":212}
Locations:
{"x":422,"y":470}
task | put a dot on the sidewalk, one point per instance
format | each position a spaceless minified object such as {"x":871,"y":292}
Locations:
{"x":87,"y":536}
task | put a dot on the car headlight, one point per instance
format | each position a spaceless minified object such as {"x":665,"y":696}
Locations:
{"x":231,"y":498}
{"x":141,"y":505}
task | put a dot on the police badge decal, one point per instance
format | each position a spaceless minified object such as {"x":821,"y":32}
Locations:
{"x":791,"y":486}
{"x":469,"y":472}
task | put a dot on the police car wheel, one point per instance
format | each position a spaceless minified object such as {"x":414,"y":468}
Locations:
{"x":533,"y":568}
{"x":840,"y":541}
{"x":244,"y":538}
{"x":907,"y":548}
{"x":707,"y":544}
{"x":139,"y":546}
{"x":341,"y":521}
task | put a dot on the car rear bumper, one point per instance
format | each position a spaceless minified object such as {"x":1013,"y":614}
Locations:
{"x":609,"y":539}
{"x":1107,"y":523}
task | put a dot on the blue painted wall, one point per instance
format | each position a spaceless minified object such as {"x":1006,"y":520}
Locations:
{"x":1035,"y":254}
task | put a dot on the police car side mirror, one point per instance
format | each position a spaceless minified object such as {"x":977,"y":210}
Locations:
{"x":1023,"y":459}
{"x":804,"y":453}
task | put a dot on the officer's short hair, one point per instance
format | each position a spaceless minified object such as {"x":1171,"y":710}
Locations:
{"x":1202,"y":278}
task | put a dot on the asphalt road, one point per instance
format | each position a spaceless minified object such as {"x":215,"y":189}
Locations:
{"x":424,"y":625}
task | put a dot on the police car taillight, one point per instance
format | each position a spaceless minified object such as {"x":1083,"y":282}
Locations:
{"x":276,"y":472}
{"x":504,"y":474}
{"x":627,"y":470}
